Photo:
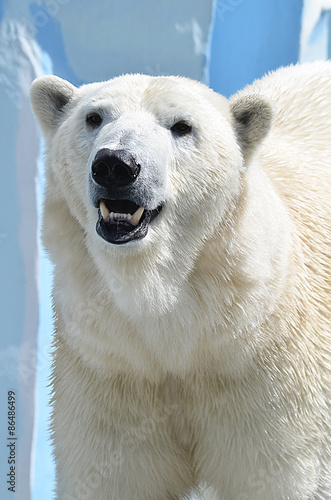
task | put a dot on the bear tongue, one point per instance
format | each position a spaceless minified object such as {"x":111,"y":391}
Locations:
{"x":135,"y":218}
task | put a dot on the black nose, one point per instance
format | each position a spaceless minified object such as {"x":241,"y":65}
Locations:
{"x":114,"y":168}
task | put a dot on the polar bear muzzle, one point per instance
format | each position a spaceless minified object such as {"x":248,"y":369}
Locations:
{"x":121,"y":216}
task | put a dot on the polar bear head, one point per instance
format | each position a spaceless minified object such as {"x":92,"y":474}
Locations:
{"x":147,"y":167}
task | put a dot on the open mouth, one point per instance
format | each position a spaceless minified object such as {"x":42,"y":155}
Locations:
{"x":121,"y":221}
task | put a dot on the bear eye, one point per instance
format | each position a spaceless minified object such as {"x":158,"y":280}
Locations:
{"x":93,"y":120}
{"x":181,"y":128}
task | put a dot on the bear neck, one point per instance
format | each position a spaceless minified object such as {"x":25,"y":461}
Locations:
{"x":164,"y":307}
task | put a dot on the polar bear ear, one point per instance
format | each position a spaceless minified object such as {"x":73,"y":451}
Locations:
{"x":252,"y":120}
{"x":49,"y":95}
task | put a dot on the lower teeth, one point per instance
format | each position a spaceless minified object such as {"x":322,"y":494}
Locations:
{"x":134,"y":219}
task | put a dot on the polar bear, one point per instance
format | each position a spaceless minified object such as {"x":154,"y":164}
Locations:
{"x":191,"y":241}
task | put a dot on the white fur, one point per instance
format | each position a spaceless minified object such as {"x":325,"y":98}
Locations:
{"x":197,"y":359}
